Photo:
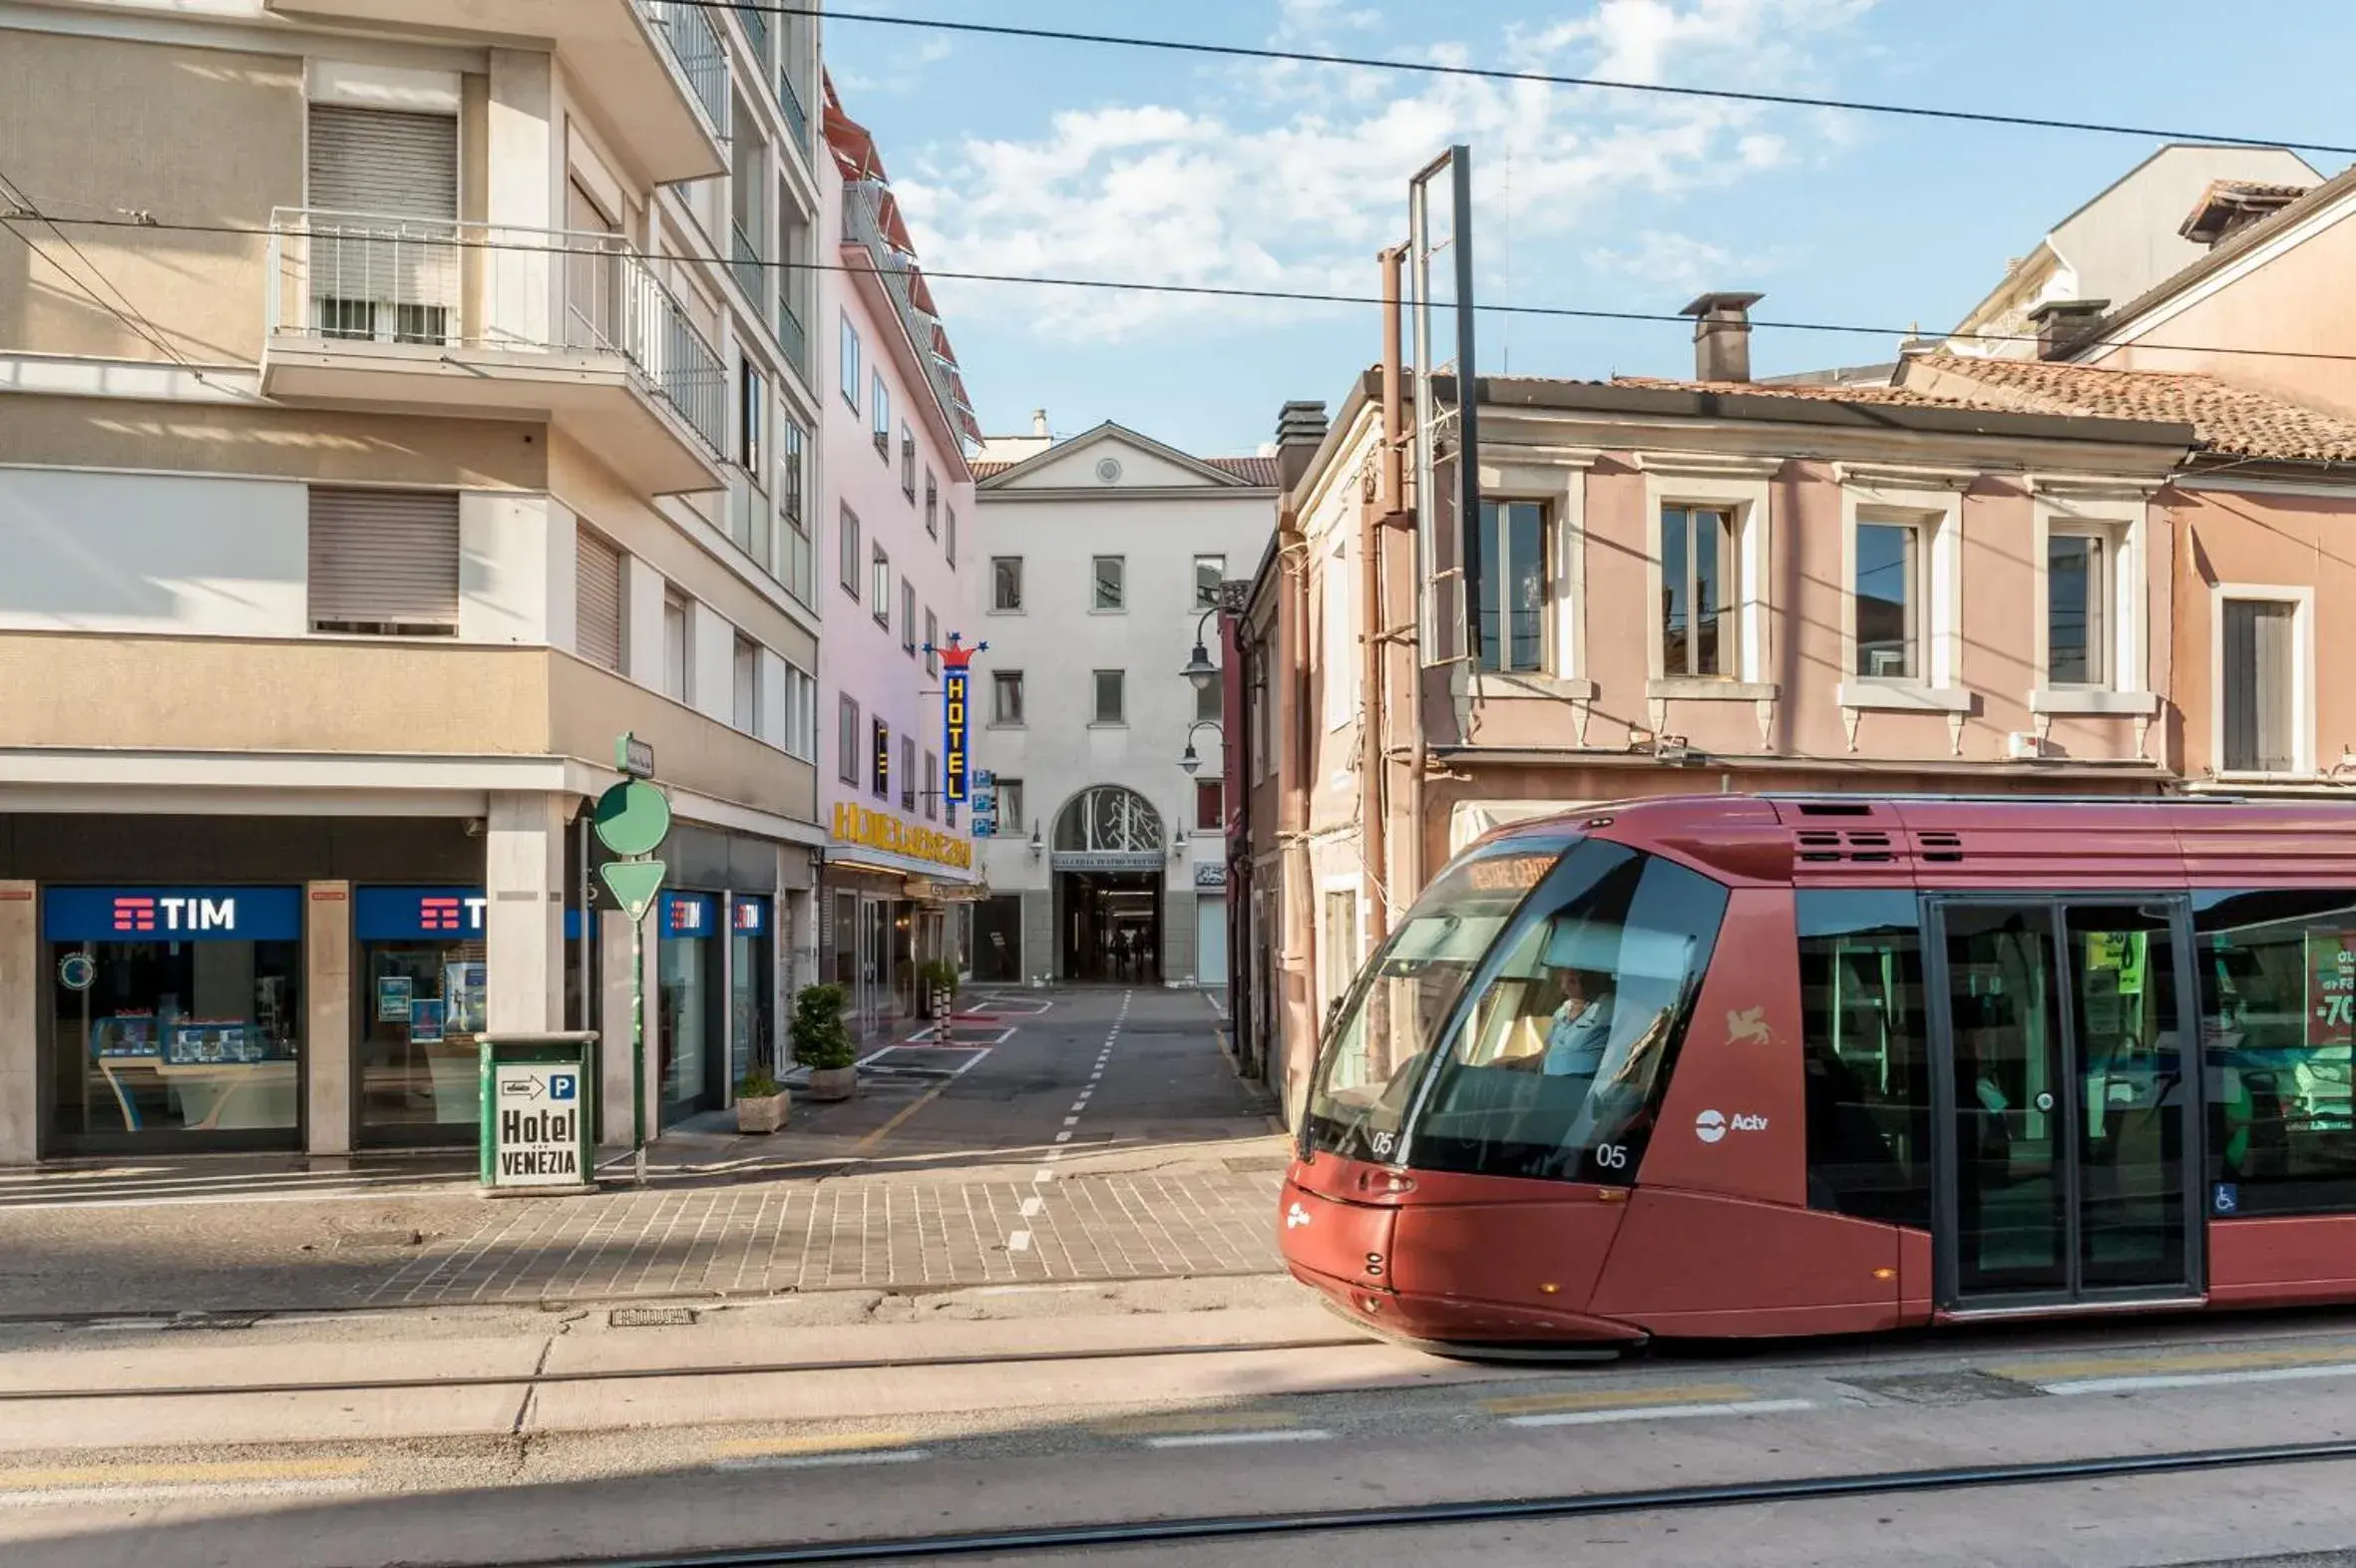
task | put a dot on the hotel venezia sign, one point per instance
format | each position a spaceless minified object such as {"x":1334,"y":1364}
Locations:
{"x":881,"y":831}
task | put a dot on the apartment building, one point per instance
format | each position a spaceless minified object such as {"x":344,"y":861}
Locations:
{"x":397,"y":405}
{"x":1102,"y":703}
{"x":900,"y":875}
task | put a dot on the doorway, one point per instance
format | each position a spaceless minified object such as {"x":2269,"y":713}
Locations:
{"x":2068,"y":1121}
{"x":1111,"y":922}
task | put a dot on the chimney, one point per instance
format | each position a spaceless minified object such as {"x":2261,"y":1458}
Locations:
{"x":2062,"y":325}
{"x":1038,"y":423}
{"x":1721,"y":336}
{"x":1300,"y":431}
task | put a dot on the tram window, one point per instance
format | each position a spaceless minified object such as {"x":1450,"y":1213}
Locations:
{"x":2277,"y":994}
{"x":1557,"y":1068}
{"x":1867,"y":1056}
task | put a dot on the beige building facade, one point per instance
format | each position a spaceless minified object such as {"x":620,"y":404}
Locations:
{"x":397,"y":405}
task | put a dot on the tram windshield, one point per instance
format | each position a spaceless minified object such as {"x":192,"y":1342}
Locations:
{"x":1586,"y":964}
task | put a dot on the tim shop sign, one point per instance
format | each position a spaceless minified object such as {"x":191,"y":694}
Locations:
{"x":172,"y":914}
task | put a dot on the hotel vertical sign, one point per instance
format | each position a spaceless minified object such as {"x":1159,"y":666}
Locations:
{"x":956,"y":736}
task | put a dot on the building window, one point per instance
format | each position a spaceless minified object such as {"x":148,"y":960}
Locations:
{"x":801,"y":713}
{"x":1005,"y":583}
{"x":598,"y":600}
{"x":850,"y":363}
{"x":908,"y":462}
{"x":790,"y":483}
{"x":880,"y":417}
{"x":907,"y":618}
{"x":879,"y":581}
{"x":1696,"y":592}
{"x":1210,"y":702}
{"x":2076,"y":590}
{"x":932,"y":786}
{"x":1005,"y":697}
{"x":847,"y":552}
{"x":932,"y":505}
{"x":679,"y":651}
{"x":1341,"y":943}
{"x":752,"y":404}
{"x":908,"y":773}
{"x":932,"y":643}
{"x":1009,"y":807}
{"x":1209,"y":572}
{"x":1210,"y":804}
{"x":847,"y":740}
{"x":1256,"y":698}
{"x":2259,"y":683}
{"x":1111,"y":696}
{"x":384,"y":562}
{"x":1508,"y":586}
{"x":1865,"y":1055}
{"x":1888,"y":596}
{"x":952,"y":537}
{"x":880,"y":761}
{"x":1109,"y":573}
{"x":746,"y":670}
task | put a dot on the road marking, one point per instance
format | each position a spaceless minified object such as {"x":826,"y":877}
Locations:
{"x":202,"y":1473}
{"x":175,"y":1492}
{"x":1019,"y":1242}
{"x":1063,"y":1136}
{"x":820,"y":1446}
{"x":1054,"y":1154}
{"x":1195,"y":1423}
{"x":1210,"y":1439}
{"x":1033,"y":1206}
{"x":2196,"y":1379}
{"x":1042,"y":1176}
{"x":1659,"y":1413}
{"x":820,"y":1461}
{"x":1071,"y":1121}
{"x":1080,"y":1105}
{"x":2042,"y":1373}
{"x":1616,"y":1398}
{"x":894,"y":1125}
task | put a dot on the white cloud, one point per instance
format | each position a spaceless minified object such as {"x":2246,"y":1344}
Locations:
{"x":1291,"y":176}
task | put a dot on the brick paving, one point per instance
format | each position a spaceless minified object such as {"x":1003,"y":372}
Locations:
{"x":877,"y":1234}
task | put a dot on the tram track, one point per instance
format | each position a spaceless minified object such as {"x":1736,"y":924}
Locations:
{"x":1569,"y":1505}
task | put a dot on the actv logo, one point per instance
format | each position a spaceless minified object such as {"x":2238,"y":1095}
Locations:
{"x":133,"y":913}
{"x":1713,"y":1125}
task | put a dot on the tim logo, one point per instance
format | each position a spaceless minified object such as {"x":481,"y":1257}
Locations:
{"x":135,"y":913}
{"x":686,"y":916}
{"x":437,"y":914}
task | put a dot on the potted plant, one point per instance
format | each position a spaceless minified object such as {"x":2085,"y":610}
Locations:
{"x":823,"y":1044}
{"x":761,"y":1101}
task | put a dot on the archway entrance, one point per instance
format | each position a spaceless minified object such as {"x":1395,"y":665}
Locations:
{"x":1110,"y":858}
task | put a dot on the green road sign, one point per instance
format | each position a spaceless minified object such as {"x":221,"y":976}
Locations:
{"x":635,"y":882}
{"x":634,"y":756}
{"x":634,"y":818}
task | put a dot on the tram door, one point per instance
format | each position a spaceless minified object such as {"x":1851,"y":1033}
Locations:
{"x":2066,"y":1095}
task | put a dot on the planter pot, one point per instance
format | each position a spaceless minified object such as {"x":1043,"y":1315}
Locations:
{"x":833,"y":1084}
{"x":762,"y":1113}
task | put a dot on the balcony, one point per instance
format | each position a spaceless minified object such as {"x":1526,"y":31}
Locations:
{"x":863,"y":229}
{"x":655,"y":70}
{"x":792,"y":334}
{"x":797,"y":116}
{"x":744,"y":260}
{"x":492,"y":321}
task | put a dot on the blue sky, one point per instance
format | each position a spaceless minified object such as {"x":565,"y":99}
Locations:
{"x":1029,"y":158}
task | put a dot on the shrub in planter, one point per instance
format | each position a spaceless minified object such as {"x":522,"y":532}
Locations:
{"x":761,"y":1101}
{"x":823,"y":1044}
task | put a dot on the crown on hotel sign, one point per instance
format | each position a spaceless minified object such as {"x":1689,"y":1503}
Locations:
{"x":956,"y":655}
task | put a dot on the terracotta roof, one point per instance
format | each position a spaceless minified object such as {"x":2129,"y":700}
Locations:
{"x":1809,"y":391}
{"x":1258,"y":471}
{"x":2230,"y":420}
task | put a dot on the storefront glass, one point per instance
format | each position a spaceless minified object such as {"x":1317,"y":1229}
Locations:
{"x":751,"y":1025}
{"x":176,"y":1015}
{"x":423,"y":980}
{"x":687,"y":998}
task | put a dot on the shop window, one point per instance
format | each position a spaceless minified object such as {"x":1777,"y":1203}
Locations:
{"x":753,"y":954}
{"x":423,"y":988}
{"x":689,"y":1026}
{"x":2278,"y":1021}
{"x":176,"y":1015}
{"x":1865,"y":1054}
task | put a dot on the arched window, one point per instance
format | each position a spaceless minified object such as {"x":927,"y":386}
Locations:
{"x":1106,"y":819}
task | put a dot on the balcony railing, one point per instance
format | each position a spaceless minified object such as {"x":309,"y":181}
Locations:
{"x":744,"y":260}
{"x":363,"y":278}
{"x":694,"y":41}
{"x":792,"y":333}
{"x":862,"y":227}
{"x":756,"y":29}
{"x":797,"y":118}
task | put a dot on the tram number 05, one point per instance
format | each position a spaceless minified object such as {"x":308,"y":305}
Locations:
{"x":1611,"y":1157}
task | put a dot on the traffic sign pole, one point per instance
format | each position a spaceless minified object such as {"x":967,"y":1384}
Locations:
{"x":633,"y":819}
{"x":638,"y":1051}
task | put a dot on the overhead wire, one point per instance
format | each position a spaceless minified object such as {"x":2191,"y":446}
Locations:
{"x":22,"y":209}
{"x":1269,"y":53}
{"x":1214,"y":290}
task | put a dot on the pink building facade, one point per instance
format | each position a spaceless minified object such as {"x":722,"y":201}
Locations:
{"x":893,"y":533}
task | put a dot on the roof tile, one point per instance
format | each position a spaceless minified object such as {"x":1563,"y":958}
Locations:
{"x":2230,"y":420}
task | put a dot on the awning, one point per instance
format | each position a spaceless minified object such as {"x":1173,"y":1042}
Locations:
{"x":925,"y":891}
{"x":1472,"y":818}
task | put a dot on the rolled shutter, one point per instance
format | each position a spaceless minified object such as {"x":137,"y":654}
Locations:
{"x":384,"y":560}
{"x":597,"y":609}
{"x":372,"y":161}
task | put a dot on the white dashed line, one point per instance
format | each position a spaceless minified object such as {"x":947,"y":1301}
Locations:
{"x":1033,"y":1206}
{"x":1211,"y":1440}
{"x":1019,"y":1242}
{"x":817,"y":1461}
{"x":1064,"y":1136}
{"x":1657,"y":1412}
{"x":1071,"y":1121}
{"x":2196,"y":1379}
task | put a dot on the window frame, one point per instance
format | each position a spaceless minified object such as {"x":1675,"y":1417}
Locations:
{"x":931,"y":785}
{"x":907,"y":461}
{"x":932,"y":503}
{"x":744,"y":693}
{"x":880,"y":416}
{"x":908,"y":772}
{"x":997,"y":563}
{"x":1208,"y":601}
{"x":2302,"y":677}
{"x":847,"y":732}
{"x":908,"y":616}
{"x":2102,"y":597}
{"x":1743,"y":488}
{"x":1001,"y":681}
{"x":879,"y":760}
{"x":1009,"y":817}
{"x":1120,"y":586}
{"x":675,"y":599}
{"x":1931,"y":503}
{"x":879,"y":581}
{"x":2119,"y":514}
{"x":847,"y":559}
{"x":1549,"y":579}
{"x":849,"y":369}
{"x":931,"y":642}
{"x":1212,"y":791}
{"x":1120,"y":718}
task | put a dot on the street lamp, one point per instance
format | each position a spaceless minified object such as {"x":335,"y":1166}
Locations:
{"x":1187,"y":759}
{"x":1198,"y":667}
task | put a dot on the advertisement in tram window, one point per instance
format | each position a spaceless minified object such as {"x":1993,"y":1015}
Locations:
{"x":2331,"y":988}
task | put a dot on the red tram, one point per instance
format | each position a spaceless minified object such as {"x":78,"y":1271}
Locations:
{"x":1729,"y":1066}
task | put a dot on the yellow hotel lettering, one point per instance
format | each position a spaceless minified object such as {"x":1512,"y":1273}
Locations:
{"x":881,"y":831}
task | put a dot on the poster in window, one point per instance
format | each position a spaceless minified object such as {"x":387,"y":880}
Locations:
{"x":125,"y":1034}
{"x":425,"y":1020}
{"x":393,"y":993}
{"x":463,"y":985}
{"x":2331,"y":988}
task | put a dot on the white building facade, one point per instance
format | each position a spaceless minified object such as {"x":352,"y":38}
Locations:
{"x":1099,"y":561}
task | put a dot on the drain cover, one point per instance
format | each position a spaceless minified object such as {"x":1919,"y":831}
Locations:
{"x":651,"y":1318}
{"x":1947,"y":1387}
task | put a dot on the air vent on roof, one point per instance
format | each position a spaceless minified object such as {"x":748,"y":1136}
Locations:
{"x":1830,"y":808}
{"x":1943,"y":848}
{"x":1864,"y":847}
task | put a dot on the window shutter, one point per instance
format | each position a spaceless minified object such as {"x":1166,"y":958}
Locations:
{"x":597,"y":600}
{"x":384,"y":560}
{"x":371,"y":160}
